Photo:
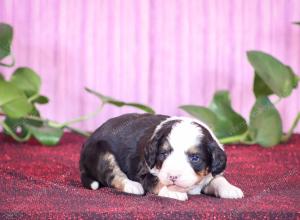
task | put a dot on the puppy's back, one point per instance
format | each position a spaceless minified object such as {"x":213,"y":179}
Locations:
{"x":126,"y":129}
{"x":120,"y":137}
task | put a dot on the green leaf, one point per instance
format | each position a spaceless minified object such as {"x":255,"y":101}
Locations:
{"x":277,"y":76}
{"x":41,"y":100}
{"x":6,"y":35}
{"x":46,"y":134}
{"x":112,"y":101}
{"x":260,"y":88}
{"x":26,"y":80}
{"x":13,"y":102}
{"x":34,"y":122}
{"x":16,"y":125}
{"x":220,"y":116}
{"x":230,"y":122}
{"x":2,"y":77}
{"x":205,"y":115}
{"x":265,"y":126}
{"x":139,"y":106}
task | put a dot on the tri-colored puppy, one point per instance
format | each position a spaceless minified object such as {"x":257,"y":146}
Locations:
{"x":167,"y":156}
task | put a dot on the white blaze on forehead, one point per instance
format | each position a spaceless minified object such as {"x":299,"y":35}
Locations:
{"x":185,"y":135}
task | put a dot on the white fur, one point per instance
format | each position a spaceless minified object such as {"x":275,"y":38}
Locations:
{"x":133,"y":187}
{"x":186,"y":119}
{"x":196,"y":190}
{"x":94,"y":185}
{"x":220,"y":187}
{"x":154,"y":171}
{"x":165,"y":192}
{"x":183,"y":136}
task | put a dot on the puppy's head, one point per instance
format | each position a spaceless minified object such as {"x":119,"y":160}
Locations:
{"x":182,"y":152}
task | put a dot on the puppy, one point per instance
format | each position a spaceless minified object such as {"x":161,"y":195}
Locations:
{"x":168,"y":156}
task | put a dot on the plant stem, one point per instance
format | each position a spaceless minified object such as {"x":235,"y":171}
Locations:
{"x":56,"y":124}
{"x":237,"y":139}
{"x":233,"y":139}
{"x":287,"y":136}
{"x":33,"y":97}
{"x":78,"y":131}
{"x":59,"y":125}
{"x":85,"y":117}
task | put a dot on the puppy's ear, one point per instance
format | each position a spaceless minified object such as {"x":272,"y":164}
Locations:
{"x":218,"y":158}
{"x":151,"y":150}
{"x":156,"y":140}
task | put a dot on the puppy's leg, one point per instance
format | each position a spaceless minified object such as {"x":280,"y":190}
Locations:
{"x":220,"y":187}
{"x":110,"y":172}
{"x":165,"y":192}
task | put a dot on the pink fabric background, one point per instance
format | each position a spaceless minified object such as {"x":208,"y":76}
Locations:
{"x":162,"y":53}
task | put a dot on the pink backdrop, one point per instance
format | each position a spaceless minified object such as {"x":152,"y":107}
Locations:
{"x":162,"y":53}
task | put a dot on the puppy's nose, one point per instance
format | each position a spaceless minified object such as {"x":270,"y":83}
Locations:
{"x":173,"y":178}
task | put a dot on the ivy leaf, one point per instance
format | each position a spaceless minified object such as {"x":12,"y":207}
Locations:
{"x":6,"y":35}
{"x":13,"y":101}
{"x":260,"y":88}
{"x":112,"y":101}
{"x":205,"y":115}
{"x":220,"y":116}
{"x":16,"y":125}
{"x":265,"y":126}
{"x":230,"y":122}
{"x":41,"y":100}
{"x":279,"y":78}
{"x":26,"y":80}
{"x":46,"y":134}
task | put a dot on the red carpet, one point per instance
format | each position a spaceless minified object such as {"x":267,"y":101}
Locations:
{"x":43,"y":182}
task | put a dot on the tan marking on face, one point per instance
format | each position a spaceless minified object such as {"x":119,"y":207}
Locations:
{"x":166,"y":145}
{"x":193,"y":150}
{"x":119,"y":177}
{"x":201,"y":174}
{"x":157,"y":188}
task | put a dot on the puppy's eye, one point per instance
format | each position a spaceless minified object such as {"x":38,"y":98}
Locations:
{"x":194,"y":158}
{"x":163,"y":155}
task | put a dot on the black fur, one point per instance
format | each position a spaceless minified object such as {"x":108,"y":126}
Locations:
{"x":126,"y":137}
{"x":152,"y":151}
{"x":132,"y":140}
{"x":217,"y":157}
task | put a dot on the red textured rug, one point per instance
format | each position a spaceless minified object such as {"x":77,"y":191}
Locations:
{"x":43,"y":182}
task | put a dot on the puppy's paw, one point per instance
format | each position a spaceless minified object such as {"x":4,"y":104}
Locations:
{"x":165,"y":192}
{"x":195,"y":191}
{"x":229,"y":192}
{"x":133,"y":187}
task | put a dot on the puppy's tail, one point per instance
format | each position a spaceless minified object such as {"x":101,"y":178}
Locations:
{"x":88,"y":182}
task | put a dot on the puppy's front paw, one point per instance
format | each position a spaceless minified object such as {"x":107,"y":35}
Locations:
{"x":165,"y":192}
{"x":133,"y":187}
{"x":229,"y":192}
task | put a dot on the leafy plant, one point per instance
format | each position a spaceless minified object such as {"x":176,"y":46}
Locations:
{"x":20,"y":95}
{"x":271,"y":77}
